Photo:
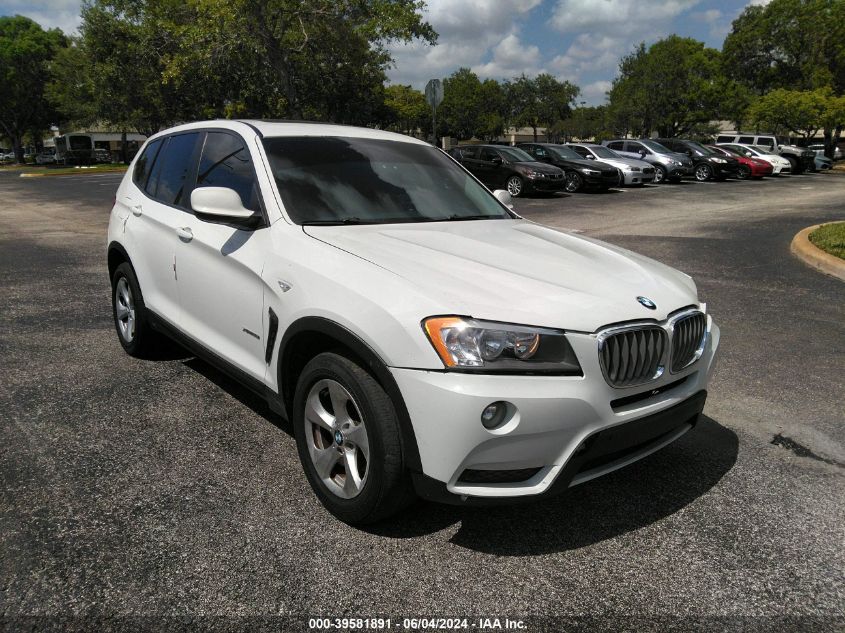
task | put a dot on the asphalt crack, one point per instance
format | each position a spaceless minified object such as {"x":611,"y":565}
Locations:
{"x":802,"y":451}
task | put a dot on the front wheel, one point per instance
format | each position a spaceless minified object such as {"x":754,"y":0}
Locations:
{"x":659,"y":174}
{"x":744,"y":172}
{"x":574,"y":182}
{"x":703,"y":172}
{"x":130,"y":314}
{"x":515,"y":186}
{"x":349,"y":441}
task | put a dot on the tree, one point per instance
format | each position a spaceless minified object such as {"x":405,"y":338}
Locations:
{"x":789,"y":111}
{"x":25,"y":53}
{"x":539,"y":102}
{"x":71,"y":89}
{"x":582,"y":123}
{"x":674,"y":87}
{"x":407,"y":108}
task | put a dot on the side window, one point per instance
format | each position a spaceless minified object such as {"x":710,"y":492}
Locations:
{"x":225,"y":162}
{"x":745,"y":140}
{"x":581,"y":151}
{"x":488,"y":154}
{"x":726,"y":139}
{"x":617,"y":145}
{"x":632,"y":146}
{"x":469,"y":152}
{"x":145,"y":163}
{"x":766,"y":141}
{"x":539,"y":152}
{"x":167,"y":181}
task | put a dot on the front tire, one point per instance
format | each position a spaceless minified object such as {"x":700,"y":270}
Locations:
{"x":703,"y":173}
{"x":660,"y":174}
{"x":744,"y":172}
{"x":574,"y":182}
{"x":130,"y":314}
{"x":349,"y":441}
{"x":515,"y":186}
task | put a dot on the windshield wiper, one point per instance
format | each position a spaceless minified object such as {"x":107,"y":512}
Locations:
{"x":339,"y":221}
{"x":458,"y":218}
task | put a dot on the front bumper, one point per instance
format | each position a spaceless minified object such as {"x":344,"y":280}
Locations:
{"x":604,"y":180}
{"x":676,"y":173}
{"x":637,"y":177}
{"x":551,"y":420}
{"x":546,"y":184}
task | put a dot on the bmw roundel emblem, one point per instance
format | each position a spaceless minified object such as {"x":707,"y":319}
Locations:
{"x":338,"y":438}
{"x":647,"y":303}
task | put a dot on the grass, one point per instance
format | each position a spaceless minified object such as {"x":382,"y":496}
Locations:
{"x":830,"y":238}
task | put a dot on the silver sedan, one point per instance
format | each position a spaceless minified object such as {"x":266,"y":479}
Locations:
{"x":634,"y":172}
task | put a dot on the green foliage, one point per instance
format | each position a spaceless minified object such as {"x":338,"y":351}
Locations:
{"x":790,"y":44}
{"x":407,"y":110}
{"x":25,"y":53}
{"x":539,"y":102}
{"x":71,"y":88}
{"x":582,"y":124}
{"x":471,"y":108}
{"x":674,"y":87}
{"x":790,"y":111}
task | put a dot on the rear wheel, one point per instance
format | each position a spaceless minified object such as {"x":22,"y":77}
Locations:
{"x":349,"y":441}
{"x":574,"y":182}
{"x":515,"y":186}
{"x":659,"y":174}
{"x":744,"y":172}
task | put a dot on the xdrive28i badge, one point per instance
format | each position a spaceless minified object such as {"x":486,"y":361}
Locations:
{"x":648,"y":303}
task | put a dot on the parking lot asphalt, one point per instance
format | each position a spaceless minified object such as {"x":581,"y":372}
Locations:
{"x":161,"y":488}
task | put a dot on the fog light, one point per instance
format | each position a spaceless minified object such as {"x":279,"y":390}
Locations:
{"x":493,"y":415}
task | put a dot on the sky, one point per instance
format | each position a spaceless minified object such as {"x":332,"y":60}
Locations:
{"x":577,"y":40}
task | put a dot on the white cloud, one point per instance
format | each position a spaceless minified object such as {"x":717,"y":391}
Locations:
{"x":627,"y":18}
{"x":510,"y":59}
{"x":595,"y":92}
{"x":468,"y":30}
{"x":587,"y":54}
{"x":63,"y":14}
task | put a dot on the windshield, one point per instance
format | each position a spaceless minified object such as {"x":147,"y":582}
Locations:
{"x":515,"y":154}
{"x":656,"y":147}
{"x":699,"y":149}
{"x":565,"y":152}
{"x":346,"y":180}
{"x":80,"y":142}
{"x":761,"y":150}
{"x":603,"y":152}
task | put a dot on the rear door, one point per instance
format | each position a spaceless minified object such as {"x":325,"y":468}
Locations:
{"x":491,"y":173}
{"x":157,"y":205}
{"x":220,"y":263}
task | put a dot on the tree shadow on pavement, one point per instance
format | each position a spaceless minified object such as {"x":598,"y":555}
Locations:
{"x":604,"y":508}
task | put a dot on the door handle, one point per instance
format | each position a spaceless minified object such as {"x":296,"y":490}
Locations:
{"x":136,"y":209}
{"x":185,"y":233}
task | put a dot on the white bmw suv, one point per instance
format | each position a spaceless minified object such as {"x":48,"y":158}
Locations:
{"x":421,"y":337}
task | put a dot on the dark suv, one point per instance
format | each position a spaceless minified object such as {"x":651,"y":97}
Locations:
{"x":508,"y":168}
{"x":580,"y":173}
{"x":707,"y":164}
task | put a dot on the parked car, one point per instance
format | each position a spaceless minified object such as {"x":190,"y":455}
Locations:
{"x":8,"y":157}
{"x":508,"y":168}
{"x":46,"y":157}
{"x":749,"y":167}
{"x":668,"y":165}
{"x":819,"y":150}
{"x":800,"y":158}
{"x":580,"y":173}
{"x":102,"y":155}
{"x":707,"y":164}
{"x":780,"y":165}
{"x":421,"y":338}
{"x":822,"y":162}
{"x":634,"y":172}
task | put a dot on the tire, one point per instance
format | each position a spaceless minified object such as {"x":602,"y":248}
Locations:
{"x":744,"y":172}
{"x":364,"y":442}
{"x":660,"y":174}
{"x":515,"y":186}
{"x":795,"y":165}
{"x":130,"y":314}
{"x":703,"y":173}
{"x":573,"y":182}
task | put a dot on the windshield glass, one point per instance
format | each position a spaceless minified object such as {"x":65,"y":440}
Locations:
{"x":515,"y":154}
{"x":761,"y":150}
{"x":699,"y":149}
{"x":80,"y":142}
{"x":565,"y":152}
{"x":603,"y":152}
{"x":345,"y":180}
{"x":656,"y":147}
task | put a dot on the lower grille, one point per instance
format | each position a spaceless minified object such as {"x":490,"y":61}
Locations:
{"x":470,"y":476}
{"x":632,"y":356}
{"x":648,"y":170}
{"x":687,"y":339}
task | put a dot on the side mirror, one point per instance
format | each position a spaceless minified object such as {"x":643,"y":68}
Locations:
{"x":504,"y":197}
{"x":220,"y":202}
{"x":643,"y":153}
{"x":497,"y":160}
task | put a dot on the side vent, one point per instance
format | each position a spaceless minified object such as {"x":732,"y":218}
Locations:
{"x":271,"y":336}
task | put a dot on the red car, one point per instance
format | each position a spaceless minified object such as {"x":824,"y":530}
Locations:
{"x":748,"y":167}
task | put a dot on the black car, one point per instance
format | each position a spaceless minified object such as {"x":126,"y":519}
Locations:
{"x":707,"y":164}
{"x":508,"y":168}
{"x":580,"y":173}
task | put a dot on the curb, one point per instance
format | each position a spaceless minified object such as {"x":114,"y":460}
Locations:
{"x":812,"y":255}
{"x":79,"y":173}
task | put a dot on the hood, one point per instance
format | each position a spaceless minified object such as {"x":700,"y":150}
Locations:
{"x":633,"y":162}
{"x":590,"y":164}
{"x":516,"y":271}
{"x":536,"y":165}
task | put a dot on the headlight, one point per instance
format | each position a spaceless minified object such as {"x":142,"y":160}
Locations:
{"x":629,"y":168}
{"x":536,"y":174}
{"x":471,"y":345}
{"x":672,"y":161}
{"x":592,"y":172}
{"x":718,"y":160}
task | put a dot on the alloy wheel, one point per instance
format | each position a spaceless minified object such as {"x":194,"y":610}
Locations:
{"x":124,"y":304}
{"x":702,"y":173}
{"x":659,"y":175}
{"x":573,"y":182}
{"x":744,"y":172}
{"x":337,"y":438}
{"x":514,"y":186}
